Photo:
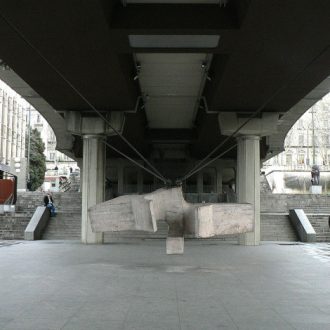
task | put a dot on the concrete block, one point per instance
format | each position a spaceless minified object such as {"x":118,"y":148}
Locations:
{"x":37,"y":224}
{"x":315,"y":189}
{"x":141,"y":212}
{"x":302,"y":225}
{"x":174,"y":245}
{"x":131,"y":212}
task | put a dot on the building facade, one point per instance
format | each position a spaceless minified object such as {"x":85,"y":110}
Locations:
{"x":308,"y":141}
{"x":13,"y":110}
{"x":16,"y":114}
{"x":58,"y":165}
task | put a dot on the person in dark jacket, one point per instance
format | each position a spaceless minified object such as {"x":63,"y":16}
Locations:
{"x":49,"y":203}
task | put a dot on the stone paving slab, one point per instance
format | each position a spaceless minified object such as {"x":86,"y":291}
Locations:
{"x":214,"y":285}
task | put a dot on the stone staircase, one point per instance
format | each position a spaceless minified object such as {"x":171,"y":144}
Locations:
{"x":316,"y":207}
{"x":276,"y":227}
{"x":319,"y":218}
{"x":320,"y":223}
{"x":12,"y":225}
{"x":67,"y":223}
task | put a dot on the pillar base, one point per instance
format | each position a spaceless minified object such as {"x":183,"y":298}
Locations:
{"x":315,"y":189}
{"x":248,"y":239}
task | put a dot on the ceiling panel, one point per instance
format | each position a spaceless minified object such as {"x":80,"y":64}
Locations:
{"x":171,"y":85}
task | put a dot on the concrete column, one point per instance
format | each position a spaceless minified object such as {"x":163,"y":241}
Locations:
{"x":248,"y":182}
{"x":93,"y":178}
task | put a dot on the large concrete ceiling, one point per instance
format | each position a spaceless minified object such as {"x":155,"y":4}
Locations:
{"x":257,"y":48}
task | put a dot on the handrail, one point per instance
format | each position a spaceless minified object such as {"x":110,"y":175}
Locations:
{"x":65,"y":186}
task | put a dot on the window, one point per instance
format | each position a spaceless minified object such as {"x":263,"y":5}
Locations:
{"x":301,"y":158}
{"x":301,"y":140}
{"x":51,"y":155}
{"x":288,"y":159}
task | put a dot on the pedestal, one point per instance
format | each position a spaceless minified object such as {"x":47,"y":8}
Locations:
{"x":315,"y":189}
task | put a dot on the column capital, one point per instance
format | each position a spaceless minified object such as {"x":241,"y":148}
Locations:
{"x":248,"y":137}
{"x":266,"y":125}
{"x":93,"y":136}
{"x":78,"y":124}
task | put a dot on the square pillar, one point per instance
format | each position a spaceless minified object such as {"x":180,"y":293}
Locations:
{"x":248,"y":182}
{"x":93,"y":179}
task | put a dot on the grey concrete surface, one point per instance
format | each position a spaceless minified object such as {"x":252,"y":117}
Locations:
{"x":68,"y":285}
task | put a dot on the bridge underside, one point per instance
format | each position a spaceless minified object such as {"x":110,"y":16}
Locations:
{"x":175,"y":78}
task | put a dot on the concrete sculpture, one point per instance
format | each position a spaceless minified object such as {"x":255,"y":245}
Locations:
{"x":141,"y":212}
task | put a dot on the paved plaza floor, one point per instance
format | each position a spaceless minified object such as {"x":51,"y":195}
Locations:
{"x":67,"y":285}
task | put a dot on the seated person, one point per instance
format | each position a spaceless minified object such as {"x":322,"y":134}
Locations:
{"x":49,"y":203}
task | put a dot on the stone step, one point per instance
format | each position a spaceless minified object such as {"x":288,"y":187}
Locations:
{"x":13,"y":228}
{"x":276,"y":227}
{"x":320,"y":224}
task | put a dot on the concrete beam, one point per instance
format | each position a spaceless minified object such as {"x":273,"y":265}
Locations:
{"x":266,"y":125}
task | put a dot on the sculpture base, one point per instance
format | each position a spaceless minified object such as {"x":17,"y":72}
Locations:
{"x":315,"y":189}
{"x":174,"y":245}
